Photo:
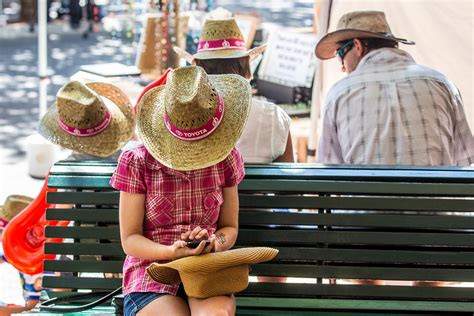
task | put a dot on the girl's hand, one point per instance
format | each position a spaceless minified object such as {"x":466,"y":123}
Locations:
{"x":180,"y":250}
{"x":197,"y":233}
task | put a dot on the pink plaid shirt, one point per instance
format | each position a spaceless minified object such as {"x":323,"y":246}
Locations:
{"x":176,"y":201}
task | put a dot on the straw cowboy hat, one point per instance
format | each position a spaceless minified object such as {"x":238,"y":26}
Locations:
{"x":212,"y":274}
{"x":13,"y":205}
{"x":94,"y":118}
{"x":221,"y":39}
{"x":358,"y":24}
{"x":195,"y":120}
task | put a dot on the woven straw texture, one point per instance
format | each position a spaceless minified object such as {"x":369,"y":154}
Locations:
{"x":217,"y":30}
{"x":14,"y":204}
{"x":359,"y":24}
{"x":190,"y":99}
{"x":84,"y":108}
{"x":223,"y":282}
{"x":212,"y":274}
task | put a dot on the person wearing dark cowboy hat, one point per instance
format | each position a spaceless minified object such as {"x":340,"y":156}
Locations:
{"x":388,"y":109}
{"x":181,"y":186}
{"x":222,"y":50}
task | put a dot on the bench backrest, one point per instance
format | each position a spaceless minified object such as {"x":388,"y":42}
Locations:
{"x":420,"y":229}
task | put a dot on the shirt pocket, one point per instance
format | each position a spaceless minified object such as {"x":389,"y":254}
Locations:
{"x":159,"y":211}
{"x":212,"y":205}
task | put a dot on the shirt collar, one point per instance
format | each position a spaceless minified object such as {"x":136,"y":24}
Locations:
{"x":153,"y":164}
{"x":385,"y":56}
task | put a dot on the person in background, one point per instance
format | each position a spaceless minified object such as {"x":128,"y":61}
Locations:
{"x":13,"y":205}
{"x":181,"y":185}
{"x":389,"y":109}
{"x":222,"y":50}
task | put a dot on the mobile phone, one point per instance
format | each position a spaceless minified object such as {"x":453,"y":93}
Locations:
{"x":195,"y":243}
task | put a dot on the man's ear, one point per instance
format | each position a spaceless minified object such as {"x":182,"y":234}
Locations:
{"x":359,"y":47}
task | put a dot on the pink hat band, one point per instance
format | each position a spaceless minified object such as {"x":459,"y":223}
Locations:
{"x":226,"y":43}
{"x":200,"y":132}
{"x":89,"y":131}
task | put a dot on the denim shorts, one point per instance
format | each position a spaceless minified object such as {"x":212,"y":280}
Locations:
{"x":135,"y":301}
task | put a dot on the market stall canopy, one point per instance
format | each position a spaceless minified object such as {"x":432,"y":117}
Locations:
{"x":443,"y":32}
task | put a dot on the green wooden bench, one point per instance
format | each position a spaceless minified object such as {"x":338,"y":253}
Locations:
{"x":409,"y":238}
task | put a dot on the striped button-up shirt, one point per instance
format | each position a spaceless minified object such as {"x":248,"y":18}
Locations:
{"x":391,"y":110}
{"x":175,"y":202}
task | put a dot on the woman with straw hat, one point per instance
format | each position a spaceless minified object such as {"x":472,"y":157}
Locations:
{"x":180,"y":186}
{"x":222,"y":50}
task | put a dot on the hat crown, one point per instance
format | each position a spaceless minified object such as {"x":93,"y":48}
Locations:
{"x":369,"y":21}
{"x":220,"y":29}
{"x":79,"y":106}
{"x":14,"y":204}
{"x":190,"y":98}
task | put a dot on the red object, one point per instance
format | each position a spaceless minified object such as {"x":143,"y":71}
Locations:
{"x":158,"y":82}
{"x":23,"y":238}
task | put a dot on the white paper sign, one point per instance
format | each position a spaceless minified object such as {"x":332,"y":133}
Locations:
{"x":289,"y":59}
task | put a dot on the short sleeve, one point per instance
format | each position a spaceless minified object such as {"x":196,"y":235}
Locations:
{"x":282,"y":129}
{"x":128,"y":176}
{"x":234,"y":170}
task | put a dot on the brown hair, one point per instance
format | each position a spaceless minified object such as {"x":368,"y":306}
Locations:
{"x":376,"y":43}
{"x":238,"y":66}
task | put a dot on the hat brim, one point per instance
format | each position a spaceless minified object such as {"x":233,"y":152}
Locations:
{"x":220,"y":54}
{"x":191,"y":155}
{"x":115,"y":136}
{"x":327,"y":46}
{"x":169,"y":273}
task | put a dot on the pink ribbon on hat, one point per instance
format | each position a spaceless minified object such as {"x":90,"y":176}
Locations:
{"x":89,"y":131}
{"x":200,"y":132}
{"x":226,"y":43}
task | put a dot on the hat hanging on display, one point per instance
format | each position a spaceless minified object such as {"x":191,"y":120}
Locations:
{"x":212,"y":274}
{"x":95,"y":118}
{"x":358,"y":24}
{"x":194,"y":120}
{"x":221,"y":39}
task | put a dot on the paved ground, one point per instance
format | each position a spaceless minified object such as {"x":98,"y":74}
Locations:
{"x":19,"y":95}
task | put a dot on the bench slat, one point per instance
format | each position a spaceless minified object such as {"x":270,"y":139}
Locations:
{"x":359,"y":173}
{"x":109,"y":249}
{"x":361,"y":305}
{"x":377,"y":256}
{"x":358,"y":187}
{"x":83,"y":266}
{"x":356,"y":203}
{"x":364,"y":272}
{"x":83,"y":232}
{"x":253,"y":218}
{"x":86,"y":198}
{"x":297,"y":290}
{"x":311,"y":236}
{"x":88,"y":283}
{"x":109,"y":215}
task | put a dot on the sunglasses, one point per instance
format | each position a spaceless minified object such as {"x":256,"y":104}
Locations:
{"x":344,"y":49}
